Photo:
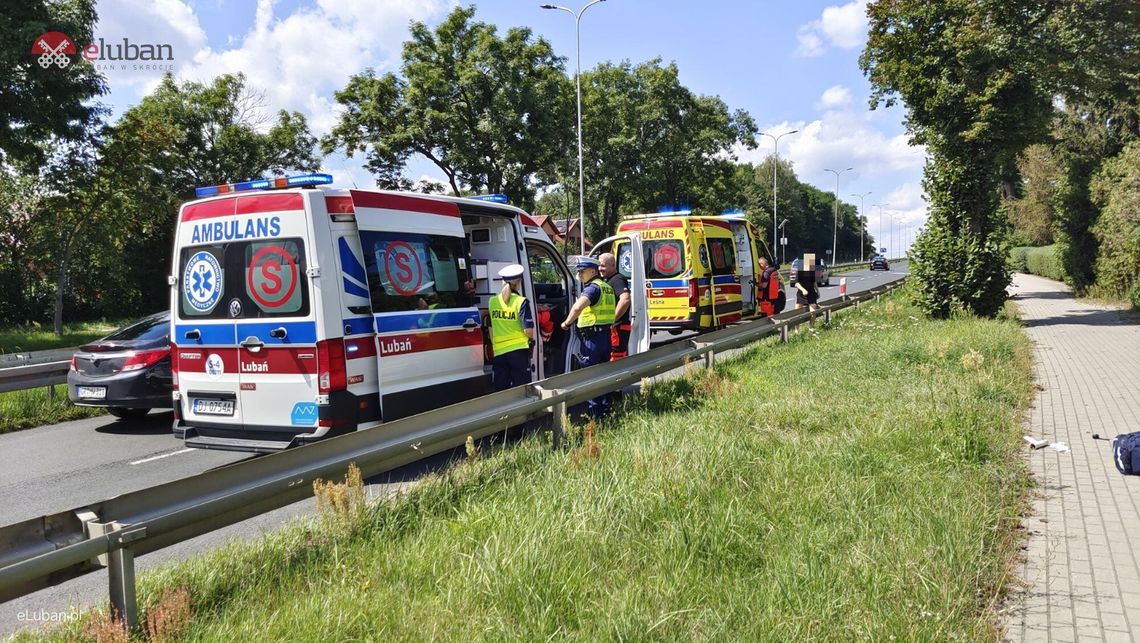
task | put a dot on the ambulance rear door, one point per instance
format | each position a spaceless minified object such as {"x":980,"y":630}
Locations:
{"x":630,"y":254}
{"x":243,"y":322}
{"x":747,"y":264}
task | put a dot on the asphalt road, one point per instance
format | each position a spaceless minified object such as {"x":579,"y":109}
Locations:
{"x":55,"y":468}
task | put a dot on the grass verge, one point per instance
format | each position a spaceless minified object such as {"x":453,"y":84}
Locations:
{"x":859,"y":483}
{"x":19,"y":339}
{"x":35,"y":407}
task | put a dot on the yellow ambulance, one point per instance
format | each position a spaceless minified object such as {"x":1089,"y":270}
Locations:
{"x":692,"y":278}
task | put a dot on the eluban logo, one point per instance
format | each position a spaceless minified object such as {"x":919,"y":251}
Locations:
{"x":53,"y":48}
{"x":127,"y":50}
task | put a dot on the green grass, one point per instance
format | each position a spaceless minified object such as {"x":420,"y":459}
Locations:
{"x":36,"y":407}
{"x":769,"y":499}
{"x":38,"y":338}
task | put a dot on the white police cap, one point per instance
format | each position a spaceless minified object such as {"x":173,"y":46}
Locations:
{"x":511,"y":272}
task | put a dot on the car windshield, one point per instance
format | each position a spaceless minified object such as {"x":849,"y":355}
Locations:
{"x":155,"y":327}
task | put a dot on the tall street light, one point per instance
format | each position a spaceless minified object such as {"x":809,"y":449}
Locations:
{"x":578,"y":79}
{"x":835,"y":226}
{"x":862,"y":223}
{"x":775,"y":162}
{"x":879,"y":238}
{"x":783,"y":248}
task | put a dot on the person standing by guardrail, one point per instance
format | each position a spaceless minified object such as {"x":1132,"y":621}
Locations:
{"x":620,"y":331}
{"x":807,"y":294}
{"x":512,"y":331}
{"x":594,"y":313}
{"x":771,"y":289}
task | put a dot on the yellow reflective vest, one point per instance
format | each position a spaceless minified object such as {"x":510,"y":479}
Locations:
{"x":601,"y":313}
{"x":506,"y":324}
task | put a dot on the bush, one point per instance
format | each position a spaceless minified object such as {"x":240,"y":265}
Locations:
{"x":1017,"y":258}
{"x":1116,"y":189}
{"x":1045,"y":261}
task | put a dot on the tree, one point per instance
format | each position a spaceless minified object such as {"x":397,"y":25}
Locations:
{"x":1031,"y":213}
{"x":1116,"y":191}
{"x":38,"y":103}
{"x":650,"y":142}
{"x":968,"y":74}
{"x":491,"y":113}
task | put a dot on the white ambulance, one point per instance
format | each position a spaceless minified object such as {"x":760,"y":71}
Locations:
{"x":302,"y":313}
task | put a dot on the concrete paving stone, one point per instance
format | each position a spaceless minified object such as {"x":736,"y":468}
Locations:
{"x":1082,"y":563}
{"x":1117,"y":636}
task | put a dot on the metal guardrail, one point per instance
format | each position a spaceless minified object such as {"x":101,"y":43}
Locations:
{"x":51,"y":549}
{"x":34,"y":369}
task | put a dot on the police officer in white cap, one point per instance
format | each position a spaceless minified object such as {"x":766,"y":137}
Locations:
{"x":512,"y":331}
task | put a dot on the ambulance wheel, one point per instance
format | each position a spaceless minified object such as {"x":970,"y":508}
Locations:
{"x":127,"y":414}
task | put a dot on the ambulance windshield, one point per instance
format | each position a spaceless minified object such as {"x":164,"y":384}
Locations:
{"x":243,"y":280}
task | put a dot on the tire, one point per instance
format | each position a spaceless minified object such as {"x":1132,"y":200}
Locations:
{"x":126,"y":414}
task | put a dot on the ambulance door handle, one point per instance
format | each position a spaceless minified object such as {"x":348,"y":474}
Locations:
{"x":279,"y":333}
{"x":471,"y":324}
{"x":193,"y":334}
{"x":252,"y":343}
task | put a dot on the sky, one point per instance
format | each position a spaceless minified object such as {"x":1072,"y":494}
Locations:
{"x":791,"y":65}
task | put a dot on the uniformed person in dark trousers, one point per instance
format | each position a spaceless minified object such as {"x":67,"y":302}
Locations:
{"x":512,"y":331}
{"x":594,"y":313}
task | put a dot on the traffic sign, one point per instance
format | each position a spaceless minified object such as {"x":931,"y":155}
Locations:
{"x":783,"y":241}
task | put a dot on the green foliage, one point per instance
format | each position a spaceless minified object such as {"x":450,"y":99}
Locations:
{"x":39,"y":406}
{"x":905,"y":494}
{"x":1031,"y":213}
{"x":1044,"y":261}
{"x":490,"y":112}
{"x":649,"y":142}
{"x":1116,"y":190}
{"x":38,"y":104}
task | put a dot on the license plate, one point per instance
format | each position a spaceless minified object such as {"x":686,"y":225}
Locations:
{"x":92,"y":392}
{"x":213,"y":407}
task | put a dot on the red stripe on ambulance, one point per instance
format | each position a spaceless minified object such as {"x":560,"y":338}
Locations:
{"x":404,"y":203}
{"x":269,"y":203}
{"x":208,"y":210}
{"x":339,"y":205}
{"x":406,"y":343}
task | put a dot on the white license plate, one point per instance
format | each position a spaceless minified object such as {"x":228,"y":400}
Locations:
{"x":213,"y":407}
{"x":92,"y":392}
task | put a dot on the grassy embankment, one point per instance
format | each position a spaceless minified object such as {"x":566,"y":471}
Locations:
{"x":862,"y":482}
{"x":34,"y":407}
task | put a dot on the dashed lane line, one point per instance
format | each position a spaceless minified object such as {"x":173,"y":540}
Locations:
{"x":161,"y":456}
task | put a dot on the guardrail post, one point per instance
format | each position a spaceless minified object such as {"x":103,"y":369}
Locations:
{"x":710,"y":356}
{"x":827,"y":316}
{"x":783,"y":333}
{"x":558,"y":410}
{"x":121,"y":574}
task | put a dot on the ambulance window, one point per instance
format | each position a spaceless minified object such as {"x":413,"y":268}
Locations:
{"x":415,"y":271}
{"x":244,"y":280}
{"x":723,"y":256}
{"x":664,"y":258}
{"x":545,"y":273}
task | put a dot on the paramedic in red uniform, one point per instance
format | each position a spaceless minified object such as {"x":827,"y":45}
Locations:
{"x":619,"y":333}
{"x":770,"y":287}
{"x":512,"y":331}
{"x":594,"y":313}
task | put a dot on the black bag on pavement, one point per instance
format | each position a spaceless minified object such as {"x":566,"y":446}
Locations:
{"x":1126,"y":453}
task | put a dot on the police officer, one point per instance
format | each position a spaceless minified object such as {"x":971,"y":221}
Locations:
{"x":512,"y":331}
{"x":594,"y":314}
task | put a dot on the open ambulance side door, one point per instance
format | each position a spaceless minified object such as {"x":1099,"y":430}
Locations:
{"x":631,"y":264}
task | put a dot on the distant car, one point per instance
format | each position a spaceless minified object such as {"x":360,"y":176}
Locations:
{"x":127,"y":372}
{"x":822,"y":275}
{"x":879,"y":262}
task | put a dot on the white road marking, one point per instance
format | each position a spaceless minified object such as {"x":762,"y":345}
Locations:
{"x":164,"y":455}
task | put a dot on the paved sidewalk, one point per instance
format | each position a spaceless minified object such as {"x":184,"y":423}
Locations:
{"x":1082,"y":567}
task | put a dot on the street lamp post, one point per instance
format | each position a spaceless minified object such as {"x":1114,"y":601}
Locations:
{"x":879,"y":238}
{"x":775,"y":162}
{"x":862,"y":223}
{"x":835,"y":226}
{"x":578,"y":80}
{"x":783,"y":247}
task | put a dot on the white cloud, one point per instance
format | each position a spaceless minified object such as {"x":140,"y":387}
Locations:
{"x":167,"y":22}
{"x":839,"y":139}
{"x":297,"y":60}
{"x":834,"y":97}
{"x":843,"y":26}
{"x":907,"y":204}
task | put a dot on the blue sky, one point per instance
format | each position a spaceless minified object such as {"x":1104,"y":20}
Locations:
{"x":791,"y":65}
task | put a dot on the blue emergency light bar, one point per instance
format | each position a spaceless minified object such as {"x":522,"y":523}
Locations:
{"x":493,"y":198}
{"x":275,"y":183}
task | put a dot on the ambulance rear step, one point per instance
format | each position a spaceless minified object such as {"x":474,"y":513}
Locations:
{"x":236,"y":444}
